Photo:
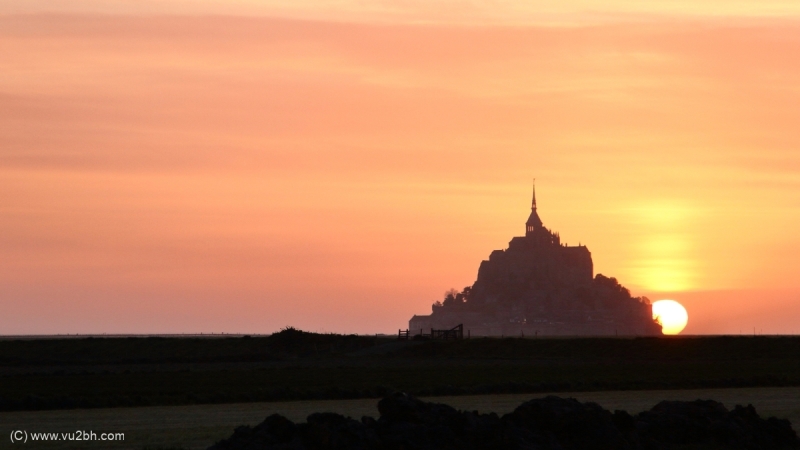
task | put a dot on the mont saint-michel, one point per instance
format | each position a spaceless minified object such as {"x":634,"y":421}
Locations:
{"x":539,"y":286}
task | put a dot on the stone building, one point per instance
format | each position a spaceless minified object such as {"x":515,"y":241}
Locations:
{"x":539,"y":286}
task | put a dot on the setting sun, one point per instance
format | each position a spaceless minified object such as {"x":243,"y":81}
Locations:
{"x":671,"y":315}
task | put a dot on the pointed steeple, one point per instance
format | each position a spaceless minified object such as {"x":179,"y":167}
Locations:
{"x":534,"y":223}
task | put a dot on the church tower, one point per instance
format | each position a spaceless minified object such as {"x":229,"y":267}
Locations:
{"x":534,"y":223}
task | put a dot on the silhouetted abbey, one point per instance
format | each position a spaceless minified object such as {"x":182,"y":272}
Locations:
{"x":539,"y":286}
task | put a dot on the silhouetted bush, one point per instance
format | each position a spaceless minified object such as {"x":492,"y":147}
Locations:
{"x":550,"y":423}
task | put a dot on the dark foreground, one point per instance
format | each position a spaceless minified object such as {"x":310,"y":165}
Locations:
{"x":295,"y":365}
{"x":546,"y":423}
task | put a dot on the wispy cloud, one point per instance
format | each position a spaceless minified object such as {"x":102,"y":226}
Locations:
{"x":443,"y":12}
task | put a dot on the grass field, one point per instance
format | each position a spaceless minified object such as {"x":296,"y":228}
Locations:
{"x":198,"y":426}
{"x":120,"y":372}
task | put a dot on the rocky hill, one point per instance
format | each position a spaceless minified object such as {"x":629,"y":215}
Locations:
{"x":539,"y":286}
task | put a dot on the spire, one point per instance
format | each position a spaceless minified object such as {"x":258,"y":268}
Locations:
{"x":534,"y":223}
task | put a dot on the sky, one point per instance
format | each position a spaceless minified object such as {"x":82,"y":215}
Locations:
{"x":242,"y":166}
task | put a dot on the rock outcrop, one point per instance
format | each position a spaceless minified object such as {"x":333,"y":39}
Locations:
{"x":539,"y":286}
{"x":550,"y":423}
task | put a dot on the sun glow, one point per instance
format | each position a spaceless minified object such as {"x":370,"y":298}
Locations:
{"x":663,"y":246}
{"x":671,"y":315}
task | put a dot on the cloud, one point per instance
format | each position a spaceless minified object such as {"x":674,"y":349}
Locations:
{"x":443,"y":12}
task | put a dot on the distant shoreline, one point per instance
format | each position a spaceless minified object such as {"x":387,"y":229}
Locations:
{"x":379,"y":335}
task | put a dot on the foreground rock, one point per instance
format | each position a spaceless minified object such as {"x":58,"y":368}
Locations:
{"x":555,"y":423}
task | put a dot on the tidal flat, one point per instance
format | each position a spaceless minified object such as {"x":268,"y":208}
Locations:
{"x":199,"y":426}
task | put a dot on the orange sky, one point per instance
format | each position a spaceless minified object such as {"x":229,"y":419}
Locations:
{"x":244,"y":166}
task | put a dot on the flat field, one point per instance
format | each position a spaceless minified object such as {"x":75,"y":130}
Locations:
{"x":199,"y":426}
{"x":190,"y":392}
{"x":293,"y":365}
